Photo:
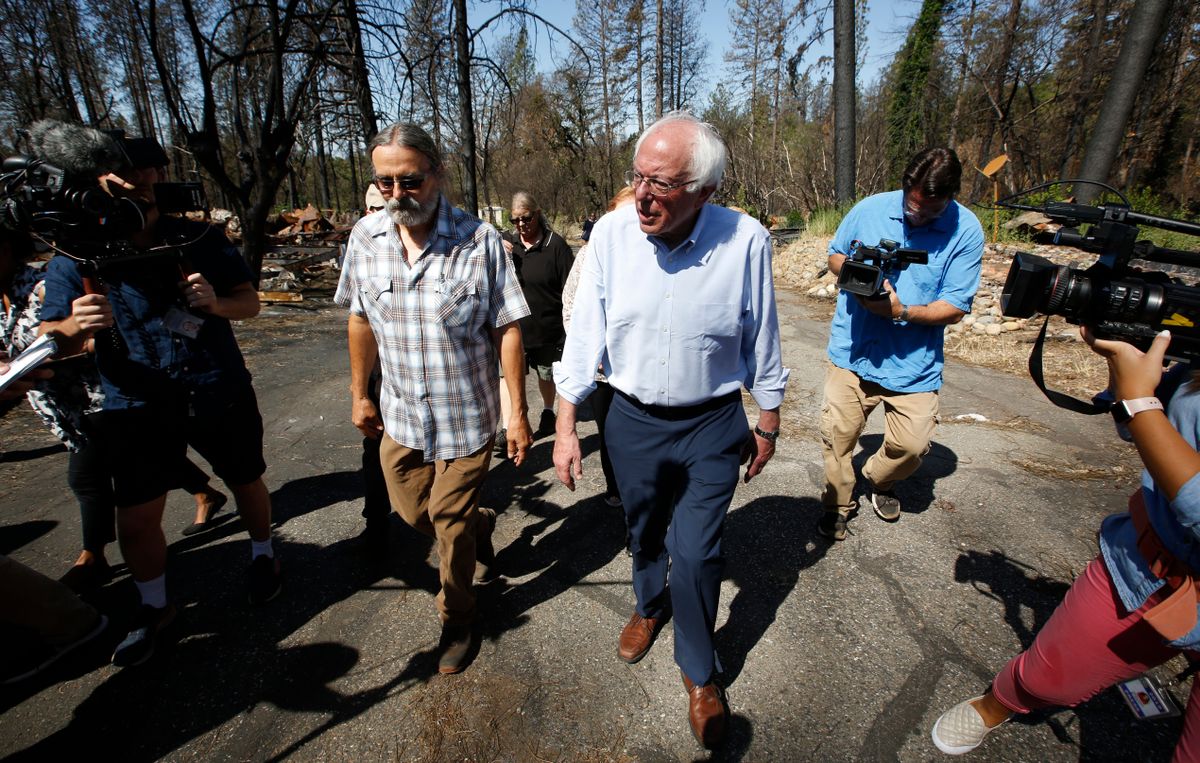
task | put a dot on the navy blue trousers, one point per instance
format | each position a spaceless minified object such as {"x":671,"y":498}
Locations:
{"x":676,"y":470}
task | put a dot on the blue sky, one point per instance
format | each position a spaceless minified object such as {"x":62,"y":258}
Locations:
{"x":887,"y":25}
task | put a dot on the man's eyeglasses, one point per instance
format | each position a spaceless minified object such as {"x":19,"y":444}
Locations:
{"x":406,"y":182}
{"x":922,"y":207}
{"x":524,"y":219}
{"x":657,"y":187}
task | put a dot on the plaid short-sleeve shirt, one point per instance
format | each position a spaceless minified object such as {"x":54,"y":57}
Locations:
{"x":432,"y":322}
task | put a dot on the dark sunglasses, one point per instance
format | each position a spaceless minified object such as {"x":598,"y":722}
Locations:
{"x":523,"y":220}
{"x":406,"y":183}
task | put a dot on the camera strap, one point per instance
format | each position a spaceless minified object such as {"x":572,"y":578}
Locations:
{"x":1062,"y":400}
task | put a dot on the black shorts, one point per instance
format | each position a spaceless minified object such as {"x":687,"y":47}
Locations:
{"x":541,"y":359}
{"x":144,"y":445}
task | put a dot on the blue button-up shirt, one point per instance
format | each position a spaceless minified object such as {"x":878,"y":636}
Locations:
{"x":679,"y":326}
{"x":906,"y":357}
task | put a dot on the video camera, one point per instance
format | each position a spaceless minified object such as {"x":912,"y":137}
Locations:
{"x":55,"y":194}
{"x":1115,"y":300}
{"x":864,"y":270}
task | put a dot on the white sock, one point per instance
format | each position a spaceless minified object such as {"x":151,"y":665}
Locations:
{"x":261,"y":548}
{"x":153,"y":592}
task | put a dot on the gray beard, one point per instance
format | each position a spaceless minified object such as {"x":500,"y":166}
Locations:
{"x":408,"y":212}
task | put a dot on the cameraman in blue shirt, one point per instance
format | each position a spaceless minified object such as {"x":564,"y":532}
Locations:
{"x":888,"y":348}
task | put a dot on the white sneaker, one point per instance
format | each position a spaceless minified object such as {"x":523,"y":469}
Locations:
{"x":960,"y":729}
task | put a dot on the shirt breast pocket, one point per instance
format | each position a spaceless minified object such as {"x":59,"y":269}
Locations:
{"x":710,"y":326}
{"x":379,"y":297}
{"x":457,"y":303}
{"x":924,"y":283}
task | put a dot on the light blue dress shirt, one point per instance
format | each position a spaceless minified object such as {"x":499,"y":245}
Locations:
{"x":676,"y":327}
{"x":907,"y":357}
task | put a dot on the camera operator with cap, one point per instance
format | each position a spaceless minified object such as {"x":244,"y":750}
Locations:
{"x":888,"y":349}
{"x":172,"y":374}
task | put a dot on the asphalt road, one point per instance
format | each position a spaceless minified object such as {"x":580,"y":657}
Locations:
{"x":843,"y":651}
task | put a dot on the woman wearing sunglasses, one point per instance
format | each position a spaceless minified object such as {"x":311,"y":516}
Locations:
{"x":543,"y":261}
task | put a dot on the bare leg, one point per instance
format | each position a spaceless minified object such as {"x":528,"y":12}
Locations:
{"x":254,"y":504}
{"x":139,"y":530}
{"x":990,"y":709}
{"x":206,"y":503}
{"x":88,"y":557}
{"x":547,"y":390}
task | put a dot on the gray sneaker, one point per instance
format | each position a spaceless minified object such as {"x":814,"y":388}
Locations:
{"x":138,"y":645}
{"x":885,"y":502}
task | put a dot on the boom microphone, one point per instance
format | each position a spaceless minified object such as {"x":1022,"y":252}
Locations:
{"x":76,"y":150}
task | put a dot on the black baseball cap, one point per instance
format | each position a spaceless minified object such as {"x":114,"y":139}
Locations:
{"x":140,"y":153}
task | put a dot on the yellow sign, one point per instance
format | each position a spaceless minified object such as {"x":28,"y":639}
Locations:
{"x":994,"y":165}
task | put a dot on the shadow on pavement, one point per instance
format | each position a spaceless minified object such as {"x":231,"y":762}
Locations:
{"x":766,"y":544}
{"x":917,"y":492}
{"x":13,"y":537}
{"x":1016,"y":586}
{"x":14,"y":456}
{"x":223,"y":657}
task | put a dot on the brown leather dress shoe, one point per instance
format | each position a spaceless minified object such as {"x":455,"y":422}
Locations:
{"x":637,"y":637}
{"x":706,"y":712}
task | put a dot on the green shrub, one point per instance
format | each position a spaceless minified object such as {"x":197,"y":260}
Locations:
{"x":824,"y":222}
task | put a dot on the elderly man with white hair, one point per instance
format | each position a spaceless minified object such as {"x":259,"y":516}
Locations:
{"x":677,"y":301}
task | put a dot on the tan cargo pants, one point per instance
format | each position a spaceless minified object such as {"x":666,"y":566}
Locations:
{"x":909,"y":421}
{"x":441,"y":500}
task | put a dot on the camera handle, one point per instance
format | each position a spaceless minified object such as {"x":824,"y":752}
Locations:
{"x":1061,"y":399}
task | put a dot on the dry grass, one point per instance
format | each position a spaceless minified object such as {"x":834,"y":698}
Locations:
{"x":1067,"y":366}
{"x":1069,"y":471}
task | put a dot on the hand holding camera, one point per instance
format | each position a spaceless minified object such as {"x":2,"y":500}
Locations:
{"x":92,"y":313}
{"x":865,"y":270}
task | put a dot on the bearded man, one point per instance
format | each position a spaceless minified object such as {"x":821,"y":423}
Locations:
{"x":433,"y":296}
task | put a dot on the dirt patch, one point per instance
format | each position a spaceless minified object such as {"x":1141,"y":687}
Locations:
{"x":985,"y":338}
{"x":496,"y":718}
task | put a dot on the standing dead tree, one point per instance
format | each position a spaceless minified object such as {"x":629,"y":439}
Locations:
{"x":254,"y":66}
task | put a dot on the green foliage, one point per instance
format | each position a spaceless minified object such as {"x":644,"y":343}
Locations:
{"x":794,"y":219}
{"x":993,"y":221}
{"x":905,"y":112}
{"x":1150,"y":202}
{"x":824,"y":222}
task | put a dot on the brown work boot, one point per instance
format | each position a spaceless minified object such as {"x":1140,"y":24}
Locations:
{"x":485,"y":552}
{"x":454,"y":648}
{"x":706,"y":712}
{"x":637,"y":637}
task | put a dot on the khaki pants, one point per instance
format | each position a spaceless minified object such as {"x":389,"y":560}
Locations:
{"x":441,"y":500}
{"x":909,"y":421}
